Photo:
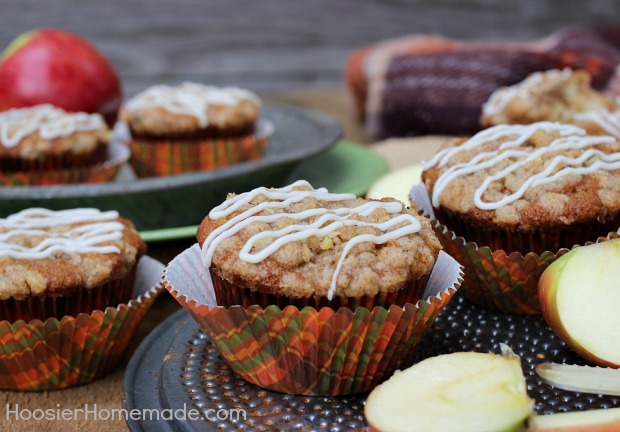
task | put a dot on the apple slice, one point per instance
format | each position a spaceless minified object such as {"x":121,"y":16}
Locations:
{"x":580,"y":299}
{"x":598,"y":420}
{"x":462,"y":391}
{"x":396,"y":184}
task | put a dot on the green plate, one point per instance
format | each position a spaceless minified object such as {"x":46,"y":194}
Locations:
{"x":346,"y":168}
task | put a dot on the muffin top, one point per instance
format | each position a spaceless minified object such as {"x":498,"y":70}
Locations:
{"x":189,"y":108}
{"x":553,"y":95}
{"x":60,"y":252}
{"x":599,"y":122}
{"x":527,"y":177}
{"x":300,"y":242}
{"x":44,"y":130}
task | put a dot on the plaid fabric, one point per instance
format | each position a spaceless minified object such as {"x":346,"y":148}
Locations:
{"x":316,"y":351}
{"x":57,"y":354}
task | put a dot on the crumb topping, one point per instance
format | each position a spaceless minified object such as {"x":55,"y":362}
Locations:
{"x":309,"y":242}
{"x":533,"y":177}
{"x":30,"y":133}
{"x":190,"y":107}
{"x":58,"y":252}
{"x":551,"y":95}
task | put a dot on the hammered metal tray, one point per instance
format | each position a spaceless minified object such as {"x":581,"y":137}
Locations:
{"x":177,"y":366}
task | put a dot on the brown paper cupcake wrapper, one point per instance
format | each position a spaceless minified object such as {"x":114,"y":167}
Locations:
{"x":65,"y":160}
{"x":524,"y":242}
{"x":117,"y":155}
{"x":228,"y":294}
{"x":311,"y":351}
{"x":82,"y":301}
{"x":170,"y":156}
{"x":503,"y":281}
{"x":60,"y":353}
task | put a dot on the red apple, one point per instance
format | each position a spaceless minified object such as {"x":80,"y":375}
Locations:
{"x":60,"y":68}
{"x":580,"y":299}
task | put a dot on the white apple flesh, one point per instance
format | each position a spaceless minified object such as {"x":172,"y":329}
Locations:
{"x":580,"y":299}
{"x":463,"y":391}
{"x":599,"y":420}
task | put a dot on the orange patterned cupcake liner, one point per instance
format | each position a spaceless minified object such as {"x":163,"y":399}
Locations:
{"x":63,"y":352}
{"x":494,"y":278}
{"x":117,"y":156}
{"x":181,"y":155}
{"x":311,"y":351}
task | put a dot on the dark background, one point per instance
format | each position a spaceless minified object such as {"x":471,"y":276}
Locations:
{"x":273,"y":45}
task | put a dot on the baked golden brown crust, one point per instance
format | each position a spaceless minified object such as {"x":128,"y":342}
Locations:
{"x":44,"y":132}
{"x":545,"y":96}
{"x":305,"y":268}
{"x":152,"y":119}
{"x":571,"y":199}
{"x":80,"y":143}
{"x":66,"y":273}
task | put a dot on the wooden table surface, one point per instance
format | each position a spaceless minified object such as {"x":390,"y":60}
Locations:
{"x":275,"y":45}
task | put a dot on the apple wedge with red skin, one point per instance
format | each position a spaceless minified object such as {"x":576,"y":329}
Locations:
{"x":51,"y":66}
{"x":580,"y":300}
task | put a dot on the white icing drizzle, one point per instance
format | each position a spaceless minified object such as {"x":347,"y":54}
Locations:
{"x":51,"y":122}
{"x":328,"y":221}
{"x":570,"y":137}
{"x":97,"y":228}
{"x":521,"y":132}
{"x":607,"y":120}
{"x":189,"y":98}
{"x":500,"y":98}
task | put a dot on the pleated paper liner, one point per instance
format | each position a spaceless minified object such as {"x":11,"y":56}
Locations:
{"x":60,"y":353}
{"x":228,"y":294}
{"x":524,"y":242}
{"x":170,"y":156}
{"x":311,"y":351}
{"x":117,"y":155}
{"x":494,"y":278}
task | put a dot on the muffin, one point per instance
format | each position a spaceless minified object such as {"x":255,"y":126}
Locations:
{"x":564,"y":96}
{"x":513,"y":198}
{"x":309,"y":292}
{"x":527,"y":188}
{"x":56,"y":263}
{"x":193,"y":127}
{"x":297,"y":245}
{"x":46,"y":145}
